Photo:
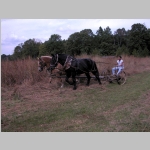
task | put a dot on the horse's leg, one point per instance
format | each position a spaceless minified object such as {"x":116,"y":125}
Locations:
{"x":62,"y":85}
{"x":88,"y":78}
{"x":60,"y":80}
{"x":50,"y":79}
{"x":68,"y":75}
{"x":74,"y":80}
{"x":96,"y":73}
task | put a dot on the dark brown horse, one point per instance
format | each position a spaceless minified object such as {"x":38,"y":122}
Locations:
{"x":44,"y":62}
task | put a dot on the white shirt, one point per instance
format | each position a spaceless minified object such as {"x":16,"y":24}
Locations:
{"x":120,"y":63}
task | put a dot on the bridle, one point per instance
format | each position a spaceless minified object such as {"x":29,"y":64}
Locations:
{"x":42,"y":65}
{"x":55,"y":64}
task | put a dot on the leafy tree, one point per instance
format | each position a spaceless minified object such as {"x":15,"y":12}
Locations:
{"x":122,"y":50}
{"x":99,"y":37}
{"x":100,"y":32}
{"x":147,"y":38}
{"x":131,"y":42}
{"x":106,"y":49}
{"x":28,"y":48}
{"x":119,"y":51}
{"x":145,"y":52}
{"x":137,"y":38}
{"x":86,"y":36}
{"x":54,"y":44}
{"x":135,"y":53}
{"x":3,"y":57}
{"x":31,"y":48}
{"x":43,"y":50}
{"x":74,"y":44}
{"x":105,"y":40}
{"x":120,"y":37}
{"x":18,"y":51}
{"x":55,"y":38}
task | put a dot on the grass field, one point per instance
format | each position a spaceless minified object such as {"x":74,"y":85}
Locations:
{"x":30,"y":104}
{"x":97,"y":108}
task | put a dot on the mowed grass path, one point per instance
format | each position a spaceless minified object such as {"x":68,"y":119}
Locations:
{"x":118,"y":108}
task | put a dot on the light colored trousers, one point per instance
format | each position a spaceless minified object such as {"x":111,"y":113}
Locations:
{"x":114,"y":69}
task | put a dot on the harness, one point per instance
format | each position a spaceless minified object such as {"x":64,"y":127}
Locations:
{"x":43,"y":64}
{"x":68,"y":62}
{"x":55,"y":62}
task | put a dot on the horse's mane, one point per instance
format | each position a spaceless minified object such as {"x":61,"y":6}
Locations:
{"x":46,"y":57}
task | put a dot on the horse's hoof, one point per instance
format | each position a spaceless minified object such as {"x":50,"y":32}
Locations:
{"x":74,"y":88}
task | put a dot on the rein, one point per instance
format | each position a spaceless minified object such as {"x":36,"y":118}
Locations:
{"x":43,"y":64}
{"x":82,"y":70}
{"x":55,"y":62}
{"x":68,"y":62}
{"x":103,"y":62}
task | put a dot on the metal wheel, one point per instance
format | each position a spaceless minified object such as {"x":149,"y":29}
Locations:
{"x":121,"y":79}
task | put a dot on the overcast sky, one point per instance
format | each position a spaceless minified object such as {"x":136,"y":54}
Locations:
{"x":16,"y":31}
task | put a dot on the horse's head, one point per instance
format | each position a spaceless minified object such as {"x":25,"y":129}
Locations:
{"x":54,"y":61}
{"x":41,"y":64}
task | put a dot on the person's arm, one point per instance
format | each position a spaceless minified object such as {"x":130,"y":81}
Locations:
{"x":121,"y":64}
{"x":117,"y":64}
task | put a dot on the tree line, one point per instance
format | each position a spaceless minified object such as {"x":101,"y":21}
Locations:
{"x":131,"y":42}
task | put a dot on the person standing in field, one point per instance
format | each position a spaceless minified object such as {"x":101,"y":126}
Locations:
{"x":119,"y":66}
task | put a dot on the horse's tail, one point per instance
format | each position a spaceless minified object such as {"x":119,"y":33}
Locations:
{"x":94,"y":68}
{"x":96,"y":72}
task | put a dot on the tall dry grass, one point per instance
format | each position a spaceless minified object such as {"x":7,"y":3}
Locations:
{"x":132,"y":64}
{"x":136,"y":65}
{"x":20,"y":72}
{"x":26,"y":71}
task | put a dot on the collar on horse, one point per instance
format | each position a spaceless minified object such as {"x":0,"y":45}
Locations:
{"x":67,"y":63}
{"x":53,"y":66}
